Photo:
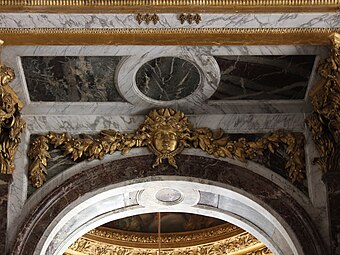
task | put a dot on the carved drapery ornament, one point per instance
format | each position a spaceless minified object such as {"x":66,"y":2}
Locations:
{"x":166,"y":133}
{"x":11,"y":124}
{"x":324,"y":122}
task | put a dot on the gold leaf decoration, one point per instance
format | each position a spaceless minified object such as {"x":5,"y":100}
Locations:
{"x":324,"y":122}
{"x":166,"y":133}
{"x":11,"y":123}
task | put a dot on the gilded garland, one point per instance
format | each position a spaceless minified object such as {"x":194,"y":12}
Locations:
{"x":166,"y":133}
{"x":11,"y":124}
{"x":325,"y":119}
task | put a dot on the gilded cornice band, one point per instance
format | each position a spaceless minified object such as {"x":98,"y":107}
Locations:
{"x":236,"y":242}
{"x":167,"y":36}
{"x":124,"y":6}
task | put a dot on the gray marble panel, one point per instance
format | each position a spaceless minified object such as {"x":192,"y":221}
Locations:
{"x":71,"y":79}
{"x":263,"y":77}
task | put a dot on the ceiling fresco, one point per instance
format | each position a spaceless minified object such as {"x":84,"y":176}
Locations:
{"x":170,"y":223}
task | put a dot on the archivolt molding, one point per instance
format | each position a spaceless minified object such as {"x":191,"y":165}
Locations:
{"x":325,"y":119}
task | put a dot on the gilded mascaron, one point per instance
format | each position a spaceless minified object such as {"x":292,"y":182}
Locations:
{"x":166,"y":133}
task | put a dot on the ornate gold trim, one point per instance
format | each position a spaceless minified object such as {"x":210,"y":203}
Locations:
{"x":124,"y":6}
{"x":169,"y":240}
{"x":166,"y":133}
{"x":147,"y":18}
{"x":325,"y":119}
{"x":240,"y":244}
{"x":167,"y":36}
{"x":11,"y":123}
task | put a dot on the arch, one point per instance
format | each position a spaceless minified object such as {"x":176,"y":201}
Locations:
{"x":208,"y":186}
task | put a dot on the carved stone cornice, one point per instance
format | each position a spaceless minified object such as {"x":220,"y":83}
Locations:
{"x":11,"y":123}
{"x":123,"y":6}
{"x":325,"y":119}
{"x":239,"y":242}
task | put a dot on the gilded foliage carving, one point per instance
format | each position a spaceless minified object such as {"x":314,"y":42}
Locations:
{"x":166,"y":133}
{"x":243,"y":243}
{"x":324,"y":122}
{"x":11,"y":123}
{"x":195,"y":236}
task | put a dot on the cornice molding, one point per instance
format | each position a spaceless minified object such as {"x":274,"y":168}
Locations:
{"x":134,"y":6}
{"x":166,"y":36}
{"x":237,"y":243}
{"x":169,"y":240}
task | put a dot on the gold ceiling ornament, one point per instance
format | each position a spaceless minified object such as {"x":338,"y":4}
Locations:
{"x":166,"y":133}
{"x":147,"y":18}
{"x":190,"y":18}
{"x":241,"y":243}
{"x":11,"y":123}
{"x":324,"y":122}
{"x":128,"y":6}
{"x":167,"y":36}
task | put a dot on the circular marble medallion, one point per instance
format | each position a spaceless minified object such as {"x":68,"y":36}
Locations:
{"x":168,"y":195}
{"x":167,"y":78}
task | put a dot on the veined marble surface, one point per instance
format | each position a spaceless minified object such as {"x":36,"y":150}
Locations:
{"x":71,"y":78}
{"x":263,"y":77}
{"x":199,"y":105}
{"x":231,"y":123}
{"x":278,"y":20}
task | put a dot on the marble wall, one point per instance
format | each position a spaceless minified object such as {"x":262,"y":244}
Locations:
{"x":168,"y":20}
{"x":4,"y":182}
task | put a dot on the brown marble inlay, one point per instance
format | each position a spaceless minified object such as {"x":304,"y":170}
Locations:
{"x":211,"y":170}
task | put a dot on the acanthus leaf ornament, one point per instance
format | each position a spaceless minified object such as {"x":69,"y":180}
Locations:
{"x":324,"y":122}
{"x":11,"y":123}
{"x":166,"y":133}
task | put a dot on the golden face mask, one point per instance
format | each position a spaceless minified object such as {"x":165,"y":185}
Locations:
{"x":165,"y":139}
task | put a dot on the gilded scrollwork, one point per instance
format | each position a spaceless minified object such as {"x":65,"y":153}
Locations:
{"x":324,"y":122}
{"x":243,"y":243}
{"x":11,"y":123}
{"x":166,"y":133}
{"x":217,"y":233}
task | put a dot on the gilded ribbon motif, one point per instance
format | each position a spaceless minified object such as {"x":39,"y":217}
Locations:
{"x":166,"y":133}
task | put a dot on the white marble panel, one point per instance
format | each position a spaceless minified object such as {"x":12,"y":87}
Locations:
{"x":230,"y":123}
{"x":317,"y":189}
{"x":18,"y":188}
{"x":167,"y":20}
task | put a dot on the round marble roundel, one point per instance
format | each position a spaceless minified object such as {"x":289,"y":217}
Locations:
{"x":167,"y":78}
